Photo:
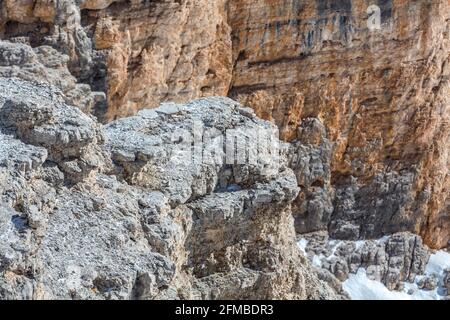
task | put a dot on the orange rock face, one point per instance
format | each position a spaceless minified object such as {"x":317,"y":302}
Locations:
{"x":383,"y":95}
{"x":375,"y":73}
{"x":172,"y":50}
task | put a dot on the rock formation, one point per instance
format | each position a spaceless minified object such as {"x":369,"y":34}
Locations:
{"x":358,"y":89}
{"x":117,"y":212}
{"x":383,"y":96}
{"x":139,"y":52}
{"x":380,"y":90}
{"x":391,"y":260}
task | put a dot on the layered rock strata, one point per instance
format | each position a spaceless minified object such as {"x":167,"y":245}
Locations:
{"x":382,"y":95}
{"x":391,"y":260}
{"x":117,"y":211}
{"x":374,"y":73}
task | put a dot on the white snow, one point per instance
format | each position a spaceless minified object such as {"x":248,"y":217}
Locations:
{"x":383,"y":239}
{"x":317,"y":260}
{"x":333,"y":244}
{"x":359,"y":244}
{"x":438,"y":263}
{"x":302,"y":243}
{"x":360,"y":287}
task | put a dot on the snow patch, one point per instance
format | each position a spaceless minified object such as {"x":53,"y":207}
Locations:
{"x":360,"y":287}
{"x":317,"y":260}
{"x":438,"y":263}
{"x":302,"y":243}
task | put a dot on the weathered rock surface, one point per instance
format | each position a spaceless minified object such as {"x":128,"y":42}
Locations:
{"x":382,"y":94}
{"x":447,"y":282}
{"x":140,"y":52}
{"x":365,"y":111}
{"x":391,"y":260}
{"x":46,"y":64}
{"x":118,"y":212}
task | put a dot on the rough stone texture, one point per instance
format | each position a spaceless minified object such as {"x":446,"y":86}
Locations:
{"x":139,"y":52}
{"x":381,"y":95}
{"x":310,"y":157}
{"x":428,"y":283}
{"x":365,"y":112}
{"x":447,"y":281}
{"x":45,"y":64}
{"x":116,"y":212}
{"x":391,"y":260}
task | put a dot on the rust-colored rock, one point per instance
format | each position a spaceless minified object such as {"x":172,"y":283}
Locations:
{"x":381,"y":92}
{"x":383,"y":96}
{"x":174,"y":50}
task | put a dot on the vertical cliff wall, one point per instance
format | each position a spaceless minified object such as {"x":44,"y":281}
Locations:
{"x":371,"y":102}
{"x":382,"y":94}
{"x":139,"y":52}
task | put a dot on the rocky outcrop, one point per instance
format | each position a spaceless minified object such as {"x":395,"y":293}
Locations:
{"x":45,"y":64}
{"x":447,"y":282}
{"x":139,"y":52}
{"x":374,"y":74}
{"x":382,"y":94}
{"x":121,"y":211}
{"x":391,"y":260}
